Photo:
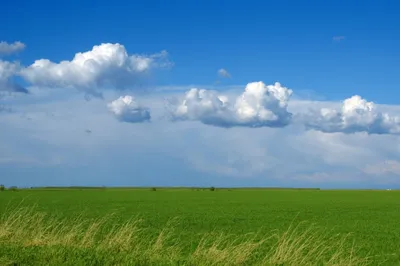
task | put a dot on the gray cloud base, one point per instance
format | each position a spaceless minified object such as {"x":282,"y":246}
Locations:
{"x":11,"y":48}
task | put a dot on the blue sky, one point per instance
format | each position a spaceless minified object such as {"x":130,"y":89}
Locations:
{"x":323,"y":52}
{"x":288,"y":41}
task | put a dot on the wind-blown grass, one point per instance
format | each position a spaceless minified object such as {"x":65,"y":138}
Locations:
{"x":28,"y":236}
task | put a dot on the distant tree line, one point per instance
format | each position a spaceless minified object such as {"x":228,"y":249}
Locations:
{"x":12,"y":188}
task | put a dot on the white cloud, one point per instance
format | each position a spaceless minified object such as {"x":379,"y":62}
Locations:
{"x":8,"y":70}
{"x":106,"y":65}
{"x":259,"y":105}
{"x":10,"y":48}
{"x":223,"y":73}
{"x":356,"y":115}
{"x":126,"y":109}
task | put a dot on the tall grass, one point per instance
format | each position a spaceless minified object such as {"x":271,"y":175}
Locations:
{"x":28,"y":236}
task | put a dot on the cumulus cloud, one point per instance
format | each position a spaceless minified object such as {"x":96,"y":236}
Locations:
{"x":356,"y":115}
{"x":126,"y":109}
{"x":7,"y":71}
{"x":106,"y":65}
{"x":223,"y":73}
{"x":11,"y":48}
{"x":259,"y":105}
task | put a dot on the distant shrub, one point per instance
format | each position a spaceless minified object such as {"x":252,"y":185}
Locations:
{"x":212,"y":188}
{"x":153,"y":189}
{"x":2,"y":187}
{"x":13,"y":188}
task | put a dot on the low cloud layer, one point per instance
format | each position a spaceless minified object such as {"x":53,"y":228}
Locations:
{"x":10,"y":48}
{"x":126,"y":109}
{"x":192,"y":153}
{"x":259,"y":105}
{"x":389,"y":167}
{"x":5,"y":109}
{"x":356,"y":115}
{"x":106,"y":65}
{"x":223,"y":73}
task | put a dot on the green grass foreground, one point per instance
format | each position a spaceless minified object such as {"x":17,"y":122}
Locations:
{"x":31,"y":237}
{"x":190,"y":227}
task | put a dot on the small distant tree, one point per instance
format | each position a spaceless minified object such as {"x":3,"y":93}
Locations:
{"x":2,"y":187}
{"x":153,"y":189}
{"x":13,"y":188}
{"x":212,"y":188}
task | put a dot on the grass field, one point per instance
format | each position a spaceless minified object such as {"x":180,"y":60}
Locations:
{"x":199,"y":227}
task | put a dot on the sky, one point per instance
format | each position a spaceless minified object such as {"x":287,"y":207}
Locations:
{"x":205,"y":93}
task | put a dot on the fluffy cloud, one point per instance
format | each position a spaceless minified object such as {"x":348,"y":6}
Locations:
{"x":356,"y":115}
{"x":126,"y":109}
{"x":10,"y":48}
{"x":7,"y":71}
{"x":106,"y":65}
{"x":223,"y":73}
{"x":259,"y":105}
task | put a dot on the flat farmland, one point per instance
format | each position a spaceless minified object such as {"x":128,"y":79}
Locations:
{"x":199,"y":227}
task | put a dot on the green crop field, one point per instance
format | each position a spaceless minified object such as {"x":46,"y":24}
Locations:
{"x":199,"y":227}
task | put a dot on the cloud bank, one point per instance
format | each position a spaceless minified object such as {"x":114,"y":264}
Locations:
{"x":356,"y":115}
{"x":105,"y":66}
{"x":126,"y":109}
{"x":384,"y":168}
{"x":259,"y":105}
{"x":10,"y":48}
{"x":192,"y":153}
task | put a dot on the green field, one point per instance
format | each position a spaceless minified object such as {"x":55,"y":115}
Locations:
{"x":192,"y":227}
